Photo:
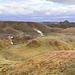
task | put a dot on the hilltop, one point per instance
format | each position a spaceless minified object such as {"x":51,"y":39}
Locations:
{"x":34,"y":29}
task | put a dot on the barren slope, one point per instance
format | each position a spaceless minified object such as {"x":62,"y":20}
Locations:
{"x":51,"y":63}
{"x":15,"y":27}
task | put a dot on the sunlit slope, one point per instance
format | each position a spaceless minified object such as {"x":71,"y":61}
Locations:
{"x":34,"y":49}
{"x":69,"y":30}
{"x":4,"y":43}
{"x":31,"y":48}
{"x":51,"y":63}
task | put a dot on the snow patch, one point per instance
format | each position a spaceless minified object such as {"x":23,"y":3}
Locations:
{"x":10,"y":38}
{"x":12,"y":43}
{"x":38,"y":31}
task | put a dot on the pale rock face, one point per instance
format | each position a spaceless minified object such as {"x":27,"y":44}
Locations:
{"x":38,"y":31}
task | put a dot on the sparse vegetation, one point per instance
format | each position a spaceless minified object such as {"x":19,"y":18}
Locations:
{"x":31,"y":54}
{"x":54,"y":63}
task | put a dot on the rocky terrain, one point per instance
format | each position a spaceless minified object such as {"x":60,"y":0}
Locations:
{"x":65,"y":24}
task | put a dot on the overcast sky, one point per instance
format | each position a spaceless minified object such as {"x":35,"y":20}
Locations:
{"x":37,"y":10}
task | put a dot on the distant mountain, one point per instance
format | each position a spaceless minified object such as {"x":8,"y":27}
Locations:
{"x":65,"y":24}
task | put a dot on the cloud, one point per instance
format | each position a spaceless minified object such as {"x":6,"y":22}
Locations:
{"x":63,"y":1}
{"x":0,"y":12}
{"x":35,"y":10}
{"x":15,"y":9}
{"x":22,"y":7}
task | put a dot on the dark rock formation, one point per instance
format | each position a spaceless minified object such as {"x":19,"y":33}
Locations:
{"x":65,"y":24}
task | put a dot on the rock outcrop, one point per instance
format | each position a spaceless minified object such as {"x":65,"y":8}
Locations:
{"x":65,"y":24}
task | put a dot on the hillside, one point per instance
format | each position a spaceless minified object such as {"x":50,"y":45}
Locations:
{"x":20,"y":28}
{"x":12,"y":56}
{"x":34,"y":29}
{"x":51,"y":63}
{"x":69,"y":30}
{"x":23,"y":48}
{"x":24,"y":52}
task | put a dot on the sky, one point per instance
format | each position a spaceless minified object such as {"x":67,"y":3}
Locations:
{"x":37,"y":10}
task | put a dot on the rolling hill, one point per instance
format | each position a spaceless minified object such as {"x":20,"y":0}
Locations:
{"x":19,"y":28}
{"x":51,"y":63}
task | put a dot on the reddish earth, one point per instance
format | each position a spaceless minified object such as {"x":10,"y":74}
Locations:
{"x":68,"y":30}
{"x":51,"y":63}
{"x":71,"y":40}
{"x":33,"y":44}
{"x":17,"y":40}
{"x":59,"y":45}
